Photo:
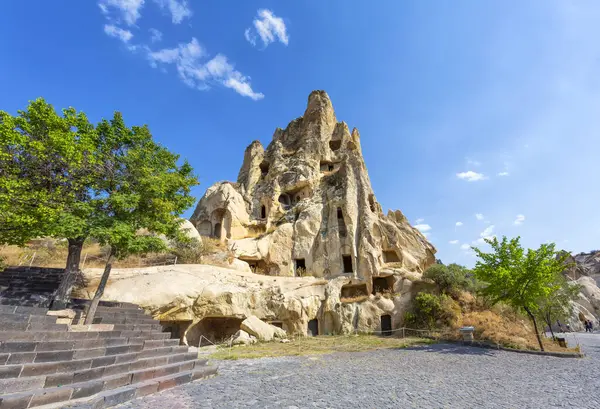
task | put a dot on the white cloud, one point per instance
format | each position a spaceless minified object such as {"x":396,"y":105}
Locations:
{"x":470,"y":176}
{"x":421,"y":220}
{"x":114,"y":31}
{"x":269,"y":28}
{"x":156,"y":35}
{"x":479,"y":216}
{"x":519,"y":220}
{"x":487,"y":233}
{"x":179,"y":9}
{"x":465,"y":246}
{"x":503,"y":174}
{"x":198,"y":74}
{"x":458,"y":224}
{"x":423,"y":227}
{"x":453,"y":242}
{"x":128,"y":10}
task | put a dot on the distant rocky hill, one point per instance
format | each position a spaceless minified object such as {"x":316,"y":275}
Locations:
{"x":585,"y":264}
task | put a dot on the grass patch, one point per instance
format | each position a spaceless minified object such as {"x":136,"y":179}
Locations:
{"x":326,"y":344}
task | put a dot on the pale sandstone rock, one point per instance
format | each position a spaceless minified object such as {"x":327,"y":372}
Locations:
{"x":243,"y":338}
{"x":261,"y":330}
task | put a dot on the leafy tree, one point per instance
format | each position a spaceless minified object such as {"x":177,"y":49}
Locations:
{"x":450,"y":278}
{"x":521,"y":279}
{"x":559,"y":306}
{"x":430,"y":309}
{"x":83,"y":181}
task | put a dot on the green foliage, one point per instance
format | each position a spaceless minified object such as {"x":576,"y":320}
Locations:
{"x":524,"y":280}
{"x":62,"y":177}
{"x":46,"y":163}
{"x":559,"y":305}
{"x":521,"y":279}
{"x":451,"y":278}
{"x":430,"y":311}
{"x":189,"y":251}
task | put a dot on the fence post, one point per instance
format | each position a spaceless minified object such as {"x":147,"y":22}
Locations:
{"x":403,"y":336}
{"x":175,"y":262}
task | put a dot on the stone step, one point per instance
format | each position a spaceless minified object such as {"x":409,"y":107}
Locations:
{"x":8,"y":317}
{"x":71,"y":335}
{"x":111,"y":390}
{"x":33,"y":326}
{"x":144,"y":319}
{"x":47,"y":354}
{"x":10,"y":385}
{"x":69,"y":364}
{"x":14,"y":309}
{"x":44,"y":346}
{"x":133,"y":327}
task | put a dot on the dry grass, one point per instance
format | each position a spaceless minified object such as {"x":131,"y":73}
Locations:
{"x":357,"y":298}
{"x":317,"y":346}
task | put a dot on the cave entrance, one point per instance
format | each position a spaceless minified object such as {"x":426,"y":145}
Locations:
{"x":257,"y":266}
{"x":341,"y":223}
{"x":347,"y":262}
{"x":300,"y":267}
{"x":176,"y":328}
{"x":383,"y":285}
{"x":263,"y":212}
{"x":354,"y":292}
{"x":214,"y":329}
{"x":277,"y":324}
{"x":386,"y":325}
{"x":335,"y":145}
{"x":217,"y":231}
{"x":313,"y":328}
{"x":390,"y":256}
{"x":285,"y":201}
{"x":264,"y":168}
{"x":372,"y":202}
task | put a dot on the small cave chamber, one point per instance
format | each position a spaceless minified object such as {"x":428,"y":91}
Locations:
{"x":347,"y":263}
{"x":313,"y":328}
{"x":214,"y":329}
{"x":264,"y":168}
{"x":258,"y":266}
{"x":386,"y":325}
{"x":390,"y":256}
{"x":354,"y":292}
{"x":383,"y":284}
{"x":299,"y":267}
{"x":335,"y":145}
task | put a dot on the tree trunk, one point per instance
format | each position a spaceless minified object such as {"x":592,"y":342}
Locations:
{"x":89,"y":318}
{"x":549,"y":322}
{"x":535,"y":327}
{"x":63,"y":294}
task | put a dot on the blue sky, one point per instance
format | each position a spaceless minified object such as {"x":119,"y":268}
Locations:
{"x":465,"y":108}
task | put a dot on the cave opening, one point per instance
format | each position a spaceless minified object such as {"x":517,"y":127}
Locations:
{"x":214,"y":329}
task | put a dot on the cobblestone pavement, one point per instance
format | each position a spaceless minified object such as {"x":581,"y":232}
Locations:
{"x":434,"y":376}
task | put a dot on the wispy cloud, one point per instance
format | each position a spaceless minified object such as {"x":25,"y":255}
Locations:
{"x":114,"y":31}
{"x":453,"y":242}
{"x":268,"y":27}
{"x":519,"y":220}
{"x":470,"y":176}
{"x":503,"y":174}
{"x":156,"y":35}
{"x":423,"y":227}
{"x":465,"y":246}
{"x":128,"y":10}
{"x":195,"y":72}
{"x":479,"y":216}
{"x":420,"y":220}
{"x":458,"y":224}
{"x":179,"y":10}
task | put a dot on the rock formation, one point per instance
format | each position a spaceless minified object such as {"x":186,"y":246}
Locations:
{"x":585,"y":271}
{"x":309,"y":247}
{"x":305,"y":206}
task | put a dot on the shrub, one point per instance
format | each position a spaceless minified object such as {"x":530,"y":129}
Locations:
{"x":192,"y":251}
{"x":452,"y":278}
{"x":430,"y":311}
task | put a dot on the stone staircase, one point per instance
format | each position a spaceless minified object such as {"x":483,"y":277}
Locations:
{"x":123,"y":355}
{"x":29,"y":286}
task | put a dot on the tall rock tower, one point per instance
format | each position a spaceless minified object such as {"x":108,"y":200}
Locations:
{"x":305,"y":206}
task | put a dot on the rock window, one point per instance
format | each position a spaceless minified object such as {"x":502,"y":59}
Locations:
{"x":263,"y":212}
{"x":300,"y":267}
{"x":335,"y":145}
{"x":313,"y":328}
{"x":386,"y":325}
{"x":341,"y":223}
{"x":284,"y":200}
{"x":347,"y":262}
{"x":383,"y":285}
{"x":372,"y":203}
{"x":390,"y":256}
{"x":264,"y":168}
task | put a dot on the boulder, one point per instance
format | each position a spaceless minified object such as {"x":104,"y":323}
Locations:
{"x":260,"y":329}
{"x":243,"y":338}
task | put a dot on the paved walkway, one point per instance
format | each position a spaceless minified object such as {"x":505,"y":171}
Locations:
{"x":435,"y":376}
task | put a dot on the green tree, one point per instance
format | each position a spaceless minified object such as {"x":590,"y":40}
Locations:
{"x":521,"y":279}
{"x":559,"y":306}
{"x":450,"y":278}
{"x":83,"y":181}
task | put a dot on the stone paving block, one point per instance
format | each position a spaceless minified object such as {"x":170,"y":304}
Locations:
{"x":18,"y":346}
{"x":89,"y":353}
{"x":54,"y":356}
{"x":21,"y":358}
{"x":145,"y":388}
{"x":58,"y":379}
{"x":114,"y":397}
{"x":15,"y":401}
{"x":12,"y":371}
{"x":115,"y":369}
{"x":12,"y":385}
{"x":82,"y":376}
{"x":117,"y":381}
{"x":89,"y":388}
{"x":103,"y":361}
{"x":46,"y":397}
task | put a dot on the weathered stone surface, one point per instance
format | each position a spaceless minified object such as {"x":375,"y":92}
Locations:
{"x":261,"y":330}
{"x":306,"y":240}
{"x":243,"y":338}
